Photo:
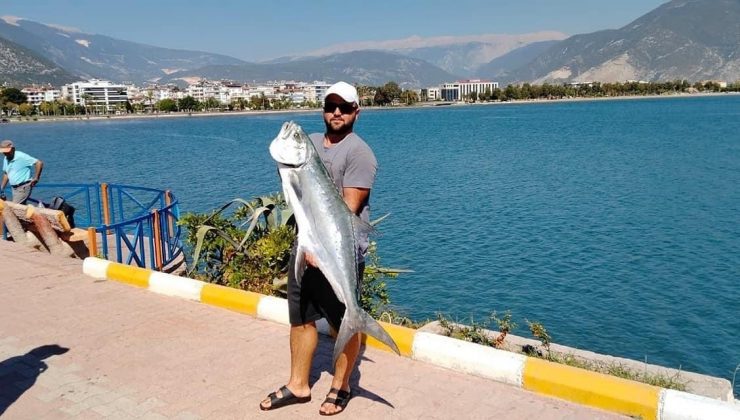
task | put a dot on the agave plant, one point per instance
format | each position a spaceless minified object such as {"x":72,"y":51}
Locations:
{"x":249,"y":249}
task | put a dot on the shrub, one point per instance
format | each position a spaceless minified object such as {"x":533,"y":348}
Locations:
{"x":249,"y":249}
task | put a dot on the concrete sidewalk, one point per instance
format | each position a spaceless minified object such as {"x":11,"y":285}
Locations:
{"x":136,"y":354}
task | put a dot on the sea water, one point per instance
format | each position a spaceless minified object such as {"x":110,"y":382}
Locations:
{"x":615,"y":224}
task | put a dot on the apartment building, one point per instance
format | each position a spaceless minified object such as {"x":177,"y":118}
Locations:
{"x":316,"y":91}
{"x":37,"y":95}
{"x":102,"y":95}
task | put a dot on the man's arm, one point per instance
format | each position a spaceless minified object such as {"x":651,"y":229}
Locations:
{"x":355,"y":198}
{"x":3,"y":183}
{"x":38,"y":166}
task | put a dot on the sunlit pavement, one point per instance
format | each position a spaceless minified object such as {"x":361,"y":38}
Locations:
{"x":75,"y":347}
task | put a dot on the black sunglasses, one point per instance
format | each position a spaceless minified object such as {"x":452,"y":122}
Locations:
{"x":344,"y":108}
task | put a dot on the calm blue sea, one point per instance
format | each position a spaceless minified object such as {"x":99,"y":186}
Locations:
{"x":616,"y":224}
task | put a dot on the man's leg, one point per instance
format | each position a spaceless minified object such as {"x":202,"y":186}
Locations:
{"x":21,"y":194}
{"x":303,"y":334}
{"x":342,"y":372}
{"x":303,"y":341}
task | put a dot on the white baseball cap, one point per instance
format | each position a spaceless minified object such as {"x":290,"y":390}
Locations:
{"x":345,"y":91}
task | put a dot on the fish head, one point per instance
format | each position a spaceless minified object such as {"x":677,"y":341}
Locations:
{"x":291,"y":147}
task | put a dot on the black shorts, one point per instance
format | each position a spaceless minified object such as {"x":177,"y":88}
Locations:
{"x":314,"y":298}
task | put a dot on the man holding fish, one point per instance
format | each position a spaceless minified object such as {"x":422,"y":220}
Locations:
{"x":326,"y":179}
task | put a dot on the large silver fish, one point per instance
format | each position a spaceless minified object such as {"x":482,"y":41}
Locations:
{"x":326,"y":228}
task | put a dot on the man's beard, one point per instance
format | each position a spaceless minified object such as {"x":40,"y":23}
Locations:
{"x":346,"y":128}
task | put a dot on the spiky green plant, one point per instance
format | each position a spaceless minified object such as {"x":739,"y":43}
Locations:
{"x":249,"y":249}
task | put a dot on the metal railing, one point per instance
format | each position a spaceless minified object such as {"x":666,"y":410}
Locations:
{"x":136,"y":225}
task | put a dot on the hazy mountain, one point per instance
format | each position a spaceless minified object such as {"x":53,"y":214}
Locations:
{"x":99,"y":56}
{"x":500,"y":67}
{"x":20,"y":66}
{"x":461,"y":55}
{"x":682,"y":39}
{"x":363,"y":67}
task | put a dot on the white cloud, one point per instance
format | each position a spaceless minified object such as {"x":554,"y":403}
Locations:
{"x":83,"y":42}
{"x":413,"y":42}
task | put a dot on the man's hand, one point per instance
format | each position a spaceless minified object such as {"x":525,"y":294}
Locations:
{"x":310,"y":259}
{"x":34,"y":182}
{"x":2,"y":196}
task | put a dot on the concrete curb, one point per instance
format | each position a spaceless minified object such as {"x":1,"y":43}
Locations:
{"x":565,"y":382}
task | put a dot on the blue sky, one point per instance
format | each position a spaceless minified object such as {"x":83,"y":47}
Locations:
{"x":259,"y":30}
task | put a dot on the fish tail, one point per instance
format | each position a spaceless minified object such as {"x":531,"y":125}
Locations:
{"x":366,"y":324}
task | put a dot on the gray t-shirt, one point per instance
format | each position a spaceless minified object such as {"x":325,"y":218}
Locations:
{"x":351,"y":163}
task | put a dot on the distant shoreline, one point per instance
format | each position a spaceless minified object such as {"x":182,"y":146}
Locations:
{"x":415,"y":106}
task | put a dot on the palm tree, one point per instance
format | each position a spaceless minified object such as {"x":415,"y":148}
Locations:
{"x":85,"y":98}
{"x":149,"y":95}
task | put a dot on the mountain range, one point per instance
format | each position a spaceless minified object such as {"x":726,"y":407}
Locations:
{"x":20,"y":66}
{"x":98,"y":56}
{"x":681,"y":39}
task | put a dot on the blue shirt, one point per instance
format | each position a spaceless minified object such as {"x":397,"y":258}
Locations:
{"x":20,"y":169}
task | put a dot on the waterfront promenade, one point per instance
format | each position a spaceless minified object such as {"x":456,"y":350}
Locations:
{"x":124,"y":352}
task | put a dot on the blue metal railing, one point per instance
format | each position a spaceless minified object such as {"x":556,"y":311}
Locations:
{"x":142,"y":221}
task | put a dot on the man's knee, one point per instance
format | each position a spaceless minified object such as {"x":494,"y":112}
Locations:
{"x":307,"y":326}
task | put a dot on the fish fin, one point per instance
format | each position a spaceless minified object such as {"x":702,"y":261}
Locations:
{"x":366,"y":324}
{"x":300,"y":263}
{"x":362,"y":227}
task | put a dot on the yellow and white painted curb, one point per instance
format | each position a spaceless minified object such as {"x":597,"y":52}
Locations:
{"x":573,"y":384}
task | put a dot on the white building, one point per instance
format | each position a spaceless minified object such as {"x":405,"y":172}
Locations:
{"x":316,"y":91}
{"x":38,"y":95}
{"x":430,"y":94}
{"x":232,"y":91}
{"x":96,"y":93}
{"x":461,"y":90}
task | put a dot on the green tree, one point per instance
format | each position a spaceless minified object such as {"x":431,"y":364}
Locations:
{"x":211,"y":103}
{"x":392,"y":91}
{"x":259,"y":102}
{"x":13,"y":95}
{"x":188,"y":103}
{"x":45,"y":108}
{"x":238,"y":104}
{"x":409,"y":97}
{"x":166,"y":105}
{"x":512,"y":92}
{"x":366,"y":93}
{"x":486,"y":95}
{"x":87,"y":102}
{"x":149,"y":95}
{"x":381,"y":98}
{"x":25,"y":109}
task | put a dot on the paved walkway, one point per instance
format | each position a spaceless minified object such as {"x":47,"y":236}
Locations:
{"x":74,"y":347}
